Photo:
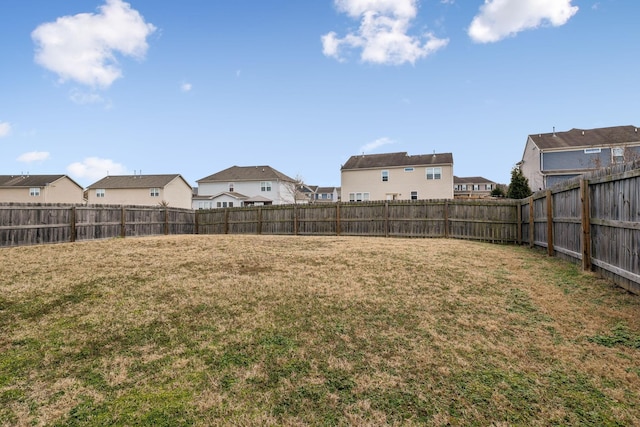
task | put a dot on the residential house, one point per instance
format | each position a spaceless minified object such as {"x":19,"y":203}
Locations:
{"x":40,"y":189}
{"x":397,"y":176}
{"x":245,"y":186}
{"x":143,"y":190}
{"x":475,"y":187}
{"x":326,"y":195}
{"x":550,"y":158}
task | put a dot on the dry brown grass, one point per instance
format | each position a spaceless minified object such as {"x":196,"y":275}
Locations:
{"x":275,"y":330}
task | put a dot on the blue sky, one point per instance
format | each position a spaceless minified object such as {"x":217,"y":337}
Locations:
{"x":90,"y":87}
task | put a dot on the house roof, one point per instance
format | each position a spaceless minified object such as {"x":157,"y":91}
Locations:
{"x":136,"y":181}
{"x":31,"y":180}
{"x":326,"y":189}
{"x":370,"y":161}
{"x":587,"y":137}
{"x":257,"y":199}
{"x":471,"y":180}
{"x":247,"y":173}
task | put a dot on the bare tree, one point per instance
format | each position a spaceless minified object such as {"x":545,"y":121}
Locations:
{"x":297,"y":191}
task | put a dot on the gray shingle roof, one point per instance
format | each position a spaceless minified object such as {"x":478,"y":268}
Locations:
{"x":135,"y":181}
{"x":30,"y":180}
{"x":247,"y":173}
{"x":368,"y":161}
{"x":587,"y":137}
{"x":471,"y":180}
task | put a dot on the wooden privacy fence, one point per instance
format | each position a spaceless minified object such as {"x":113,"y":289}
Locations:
{"x":486,"y":220}
{"x":594,"y":220}
{"x":30,"y":224}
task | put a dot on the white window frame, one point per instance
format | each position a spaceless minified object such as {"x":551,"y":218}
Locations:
{"x":408,"y":169}
{"x":34,"y":192}
{"x":434,"y":173}
{"x":359,"y":196}
{"x":385,"y":175}
{"x":231,"y":187}
{"x":592,"y":150}
{"x":265,"y":186}
{"x":154,"y":192}
{"x":414,"y":195}
{"x":476,"y":187}
{"x":101,"y":193}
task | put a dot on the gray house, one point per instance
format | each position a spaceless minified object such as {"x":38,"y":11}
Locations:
{"x":550,"y":158}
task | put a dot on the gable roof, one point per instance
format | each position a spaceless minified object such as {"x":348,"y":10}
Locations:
{"x":247,"y":173}
{"x":471,"y":180}
{"x":136,"y":181}
{"x":369,"y":161}
{"x":587,"y":137}
{"x":19,"y":181}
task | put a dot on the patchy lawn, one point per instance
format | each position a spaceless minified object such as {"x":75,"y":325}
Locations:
{"x":274,"y":330}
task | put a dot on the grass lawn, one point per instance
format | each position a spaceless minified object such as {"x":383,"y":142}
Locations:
{"x":275,"y":330}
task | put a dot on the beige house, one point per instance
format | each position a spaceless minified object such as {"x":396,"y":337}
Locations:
{"x":40,"y":189}
{"x":475,"y":187}
{"x":397,"y":176}
{"x":142,"y":190}
{"x":550,"y":158}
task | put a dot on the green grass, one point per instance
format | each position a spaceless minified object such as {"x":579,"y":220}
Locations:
{"x":271,"y":330}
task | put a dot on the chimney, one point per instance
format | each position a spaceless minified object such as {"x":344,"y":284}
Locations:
{"x":554,"y":131}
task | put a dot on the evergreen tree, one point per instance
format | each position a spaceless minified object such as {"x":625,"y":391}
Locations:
{"x":519,"y":186}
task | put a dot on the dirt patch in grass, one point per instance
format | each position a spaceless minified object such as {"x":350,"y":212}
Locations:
{"x":275,"y":330}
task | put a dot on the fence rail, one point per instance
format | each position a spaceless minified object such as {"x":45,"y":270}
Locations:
{"x":593,"y":220}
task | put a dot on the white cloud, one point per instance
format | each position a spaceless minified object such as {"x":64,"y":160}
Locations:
{"x":5,"y":129}
{"x":95,"y":168}
{"x":83,"y":98}
{"x":186,"y":87}
{"x":367,"y":148}
{"x":33,"y":156}
{"x":499,"y":19}
{"x":82,"y":47}
{"x":383,"y":34}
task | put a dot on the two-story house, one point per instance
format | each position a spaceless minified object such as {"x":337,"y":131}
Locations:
{"x":397,"y":176}
{"x":245,"y":186}
{"x":40,"y":189}
{"x":550,"y":158}
{"x":143,"y":190}
{"x":326,"y":195}
{"x":475,"y":187}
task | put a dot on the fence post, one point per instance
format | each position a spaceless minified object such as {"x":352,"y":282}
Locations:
{"x":72,"y":230}
{"x":519,"y":222}
{"x":226,"y":221}
{"x":295,"y":220}
{"x":123,"y":223}
{"x":196,"y":218}
{"x":585,"y":197}
{"x":446,"y":219}
{"x":386,"y":219}
{"x":550,"y":249}
{"x":259,"y":227}
{"x":166,"y":221}
{"x":338,"y":219}
{"x":532,"y":223}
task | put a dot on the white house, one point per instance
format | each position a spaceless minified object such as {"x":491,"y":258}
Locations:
{"x":244,"y":186}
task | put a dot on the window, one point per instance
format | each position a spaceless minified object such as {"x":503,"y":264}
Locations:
{"x":230,"y":204}
{"x":358,"y":197}
{"x":463,"y":187}
{"x":476,"y":187}
{"x":231,"y":186}
{"x":434,"y":173}
{"x":100,"y":193}
{"x":414,"y":195}
{"x":325,"y":196}
{"x":592,"y":150}
{"x":408,"y":169}
{"x":385,"y":176}
{"x":154,"y":192}
{"x":265,"y":186}
{"x":34,"y":191}
{"x":618,"y":154}
{"x":219,"y":204}
{"x":488,"y":187}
